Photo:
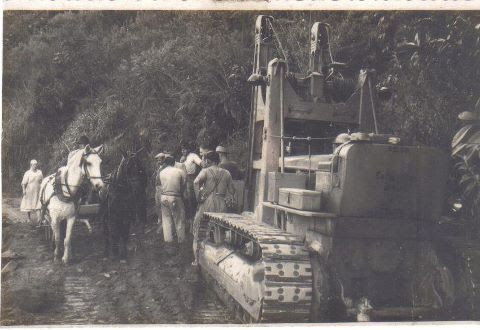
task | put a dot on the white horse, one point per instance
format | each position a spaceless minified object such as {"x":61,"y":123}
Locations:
{"x":61,"y":205}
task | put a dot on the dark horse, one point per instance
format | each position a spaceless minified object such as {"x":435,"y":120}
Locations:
{"x":123,"y":200}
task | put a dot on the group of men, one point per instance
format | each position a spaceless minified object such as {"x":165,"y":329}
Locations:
{"x":190,"y":187}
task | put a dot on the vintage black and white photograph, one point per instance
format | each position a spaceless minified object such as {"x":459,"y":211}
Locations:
{"x":237,"y":167}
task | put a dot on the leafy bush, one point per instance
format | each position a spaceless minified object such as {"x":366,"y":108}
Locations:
{"x":171,"y":77}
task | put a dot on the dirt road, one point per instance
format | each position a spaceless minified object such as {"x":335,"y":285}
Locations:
{"x":156,"y":285}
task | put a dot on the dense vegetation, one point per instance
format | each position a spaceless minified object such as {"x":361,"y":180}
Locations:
{"x":166,"y":77}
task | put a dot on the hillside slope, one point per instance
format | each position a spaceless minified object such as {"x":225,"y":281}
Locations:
{"x":126,"y":77}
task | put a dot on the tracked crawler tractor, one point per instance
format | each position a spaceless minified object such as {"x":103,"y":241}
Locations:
{"x":330,"y":232}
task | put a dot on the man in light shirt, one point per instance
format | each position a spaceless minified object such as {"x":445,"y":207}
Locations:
{"x":172,"y":181}
{"x":192,"y":163}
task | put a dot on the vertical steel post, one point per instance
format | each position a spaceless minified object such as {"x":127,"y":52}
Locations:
{"x":282,"y":119}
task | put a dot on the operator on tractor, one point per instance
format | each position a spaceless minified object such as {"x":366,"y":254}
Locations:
{"x":340,"y":139}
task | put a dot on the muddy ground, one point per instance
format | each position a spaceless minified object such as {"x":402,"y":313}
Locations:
{"x":156,"y":285}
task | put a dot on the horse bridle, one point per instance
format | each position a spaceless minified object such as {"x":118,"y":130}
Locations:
{"x":129,"y":180}
{"x":83,"y":163}
{"x":84,"y":166}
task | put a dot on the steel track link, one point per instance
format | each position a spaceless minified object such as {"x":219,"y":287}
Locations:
{"x":288,"y":272}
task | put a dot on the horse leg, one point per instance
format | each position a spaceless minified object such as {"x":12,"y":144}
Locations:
{"x":114,"y":238}
{"x":106,"y":234}
{"x":39,"y":218}
{"x":124,"y":232}
{"x":141,"y":211}
{"x":55,"y":224}
{"x":67,"y":243}
{"x":87,"y":223}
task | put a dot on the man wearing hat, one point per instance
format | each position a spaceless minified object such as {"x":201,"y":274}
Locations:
{"x":160,"y":157}
{"x":227,"y":164}
{"x":192,"y":163}
{"x":213,"y":186}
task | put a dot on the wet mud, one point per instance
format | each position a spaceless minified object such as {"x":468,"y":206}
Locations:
{"x":157,"y":284}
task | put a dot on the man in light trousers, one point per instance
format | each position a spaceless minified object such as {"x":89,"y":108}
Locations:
{"x":173,"y":182}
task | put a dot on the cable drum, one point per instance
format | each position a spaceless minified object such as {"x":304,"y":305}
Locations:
{"x":339,"y":89}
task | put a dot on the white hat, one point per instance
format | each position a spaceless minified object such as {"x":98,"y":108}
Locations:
{"x":468,"y":116}
{"x":33,"y":161}
{"x":342,"y":138}
{"x":160,"y":156}
{"x":221,"y":149}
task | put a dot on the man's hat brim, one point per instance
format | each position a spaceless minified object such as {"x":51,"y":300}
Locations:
{"x":468,"y":116}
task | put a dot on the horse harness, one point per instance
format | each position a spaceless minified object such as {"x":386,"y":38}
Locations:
{"x":113,"y":179}
{"x":58,"y":185}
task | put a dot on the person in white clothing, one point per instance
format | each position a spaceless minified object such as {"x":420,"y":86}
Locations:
{"x":193,"y":164}
{"x":31,"y":182}
{"x":172,"y":181}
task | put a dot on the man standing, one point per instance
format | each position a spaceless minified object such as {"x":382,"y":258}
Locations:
{"x":180,"y":165}
{"x":212,"y":186}
{"x":204,"y":149}
{"x":227,"y":164}
{"x":32,"y":179}
{"x":160,"y":158}
{"x":192,"y":163}
{"x":173,"y":182}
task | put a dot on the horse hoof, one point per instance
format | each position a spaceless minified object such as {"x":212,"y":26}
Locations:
{"x":65,"y":261}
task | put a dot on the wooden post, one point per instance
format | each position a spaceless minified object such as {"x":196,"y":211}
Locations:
{"x":282,"y":119}
{"x":271,"y":147}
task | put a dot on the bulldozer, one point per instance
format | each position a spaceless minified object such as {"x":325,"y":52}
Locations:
{"x":336,"y":221}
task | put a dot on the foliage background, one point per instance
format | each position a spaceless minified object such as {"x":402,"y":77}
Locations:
{"x":124,"y":77}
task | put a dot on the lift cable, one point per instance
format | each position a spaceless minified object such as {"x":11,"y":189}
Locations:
{"x":301,"y":138}
{"x":279,"y":45}
{"x":296,"y":58}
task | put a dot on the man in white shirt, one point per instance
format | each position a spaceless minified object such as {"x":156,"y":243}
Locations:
{"x":172,"y":181}
{"x":193,"y":164}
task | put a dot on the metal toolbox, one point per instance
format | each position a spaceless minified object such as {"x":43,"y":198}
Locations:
{"x":278,"y":180}
{"x":300,"y":199}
